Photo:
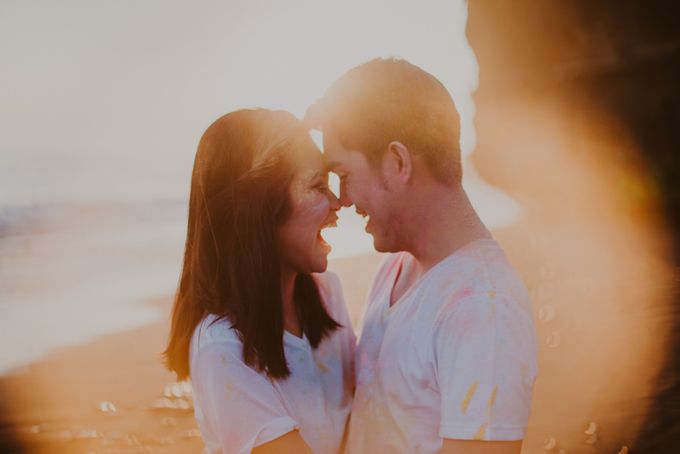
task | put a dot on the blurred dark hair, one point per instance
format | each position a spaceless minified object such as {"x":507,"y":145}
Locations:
{"x":385,"y":100}
{"x":239,"y":196}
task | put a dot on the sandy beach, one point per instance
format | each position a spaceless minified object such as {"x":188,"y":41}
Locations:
{"x":113,"y":395}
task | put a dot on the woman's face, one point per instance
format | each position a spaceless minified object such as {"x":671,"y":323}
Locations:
{"x":313,"y":207}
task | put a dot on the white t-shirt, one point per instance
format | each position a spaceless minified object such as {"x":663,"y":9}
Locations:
{"x":454,"y":357}
{"x":238,"y":408}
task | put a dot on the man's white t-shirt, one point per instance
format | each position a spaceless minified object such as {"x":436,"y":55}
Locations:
{"x":454,"y":357}
{"x":238,"y":408}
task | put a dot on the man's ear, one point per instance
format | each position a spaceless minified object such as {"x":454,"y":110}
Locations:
{"x":398,"y":162}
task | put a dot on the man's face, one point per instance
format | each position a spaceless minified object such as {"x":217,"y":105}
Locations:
{"x":363,"y":186}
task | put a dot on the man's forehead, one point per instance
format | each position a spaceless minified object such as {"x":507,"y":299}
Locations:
{"x":332,"y":157}
{"x":333,"y":147}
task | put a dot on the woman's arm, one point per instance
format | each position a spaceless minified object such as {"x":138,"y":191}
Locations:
{"x":291,"y":442}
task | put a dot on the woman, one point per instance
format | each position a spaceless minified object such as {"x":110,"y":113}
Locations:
{"x":267,"y":343}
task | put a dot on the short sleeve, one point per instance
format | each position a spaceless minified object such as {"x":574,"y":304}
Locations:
{"x":484,"y":363}
{"x":240,"y":405}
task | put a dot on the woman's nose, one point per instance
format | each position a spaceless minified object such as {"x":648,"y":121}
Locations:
{"x":344,"y":200}
{"x":335,"y":202}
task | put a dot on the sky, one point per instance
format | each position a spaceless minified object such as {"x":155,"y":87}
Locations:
{"x":116,"y":94}
{"x":102,"y":105}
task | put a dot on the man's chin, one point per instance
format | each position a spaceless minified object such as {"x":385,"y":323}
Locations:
{"x":380,"y":245}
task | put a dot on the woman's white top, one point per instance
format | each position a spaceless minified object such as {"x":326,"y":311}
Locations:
{"x":238,"y":408}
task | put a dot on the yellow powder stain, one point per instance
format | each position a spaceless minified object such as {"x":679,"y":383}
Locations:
{"x":492,"y":398}
{"x":492,"y":294}
{"x":480,"y":433}
{"x":468,"y":396}
{"x":322,"y":367}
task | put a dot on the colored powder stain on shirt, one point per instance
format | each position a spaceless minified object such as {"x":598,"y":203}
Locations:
{"x":462,"y":293}
{"x":479,"y":435}
{"x":492,"y":397}
{"x":322,"y":367}
{"x":492,"y":294}
{"x":468,"y":397}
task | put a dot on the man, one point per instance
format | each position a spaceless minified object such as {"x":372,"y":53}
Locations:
{"x":447,"y":355}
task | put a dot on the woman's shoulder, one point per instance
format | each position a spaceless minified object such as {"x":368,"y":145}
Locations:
{"x":215,"y":330}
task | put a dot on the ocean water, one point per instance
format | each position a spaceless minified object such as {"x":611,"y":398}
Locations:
{"x":70,"y":273}
{"x":87,"y":243}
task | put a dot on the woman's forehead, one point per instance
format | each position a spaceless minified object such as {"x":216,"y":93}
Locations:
{"x":309,"y":160}
{"x":312,"y":168}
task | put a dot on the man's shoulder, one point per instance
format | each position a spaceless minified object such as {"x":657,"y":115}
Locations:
{"x":484,"y":268}
{"x":482,"y":278}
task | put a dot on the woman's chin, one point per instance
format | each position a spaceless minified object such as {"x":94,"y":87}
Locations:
{"x":320,"y":261}
{"x":320,"y":264}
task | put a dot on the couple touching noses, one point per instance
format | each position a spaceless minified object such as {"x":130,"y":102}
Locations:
{"x":446,"y":359}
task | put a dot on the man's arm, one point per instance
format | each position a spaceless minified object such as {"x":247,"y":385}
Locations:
{"x":480,"y":447}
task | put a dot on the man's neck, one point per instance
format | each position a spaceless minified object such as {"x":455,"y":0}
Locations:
{"x":444,"y":222}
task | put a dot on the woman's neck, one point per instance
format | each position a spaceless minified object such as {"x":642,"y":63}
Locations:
{"x":291,"y":321}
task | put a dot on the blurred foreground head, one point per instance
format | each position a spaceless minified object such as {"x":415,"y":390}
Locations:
{"x":577,"y":119}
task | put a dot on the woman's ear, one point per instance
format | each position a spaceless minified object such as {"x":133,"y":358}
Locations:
{"x":397,"y":162}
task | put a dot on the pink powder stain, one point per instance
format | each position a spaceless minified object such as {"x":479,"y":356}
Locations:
{"x":454,"y":299}
{"x":462,"y":293}
{"x":459,"y":295}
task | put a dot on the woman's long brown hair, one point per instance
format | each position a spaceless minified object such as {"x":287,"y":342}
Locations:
{"x":239,"y":197}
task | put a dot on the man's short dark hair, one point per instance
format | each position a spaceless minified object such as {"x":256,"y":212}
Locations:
{"x":391,"y":99}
